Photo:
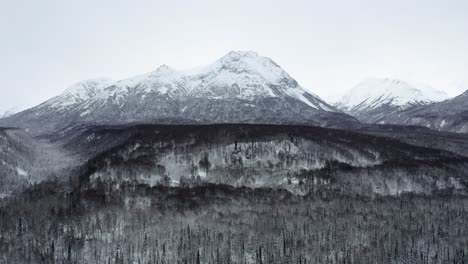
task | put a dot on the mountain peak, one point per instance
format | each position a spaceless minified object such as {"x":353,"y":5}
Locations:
{"x":244,"y":58}
{"x":164,"y":69}
{"x":81,"y":91}
{"x":237,"y":54}
{"x":240,"y":87}
{"x":374,"y":98}
{"x":97,"y":83}
{"x":374,"y":92}
{"x":388,"y":80}
{"x":243,"y":65}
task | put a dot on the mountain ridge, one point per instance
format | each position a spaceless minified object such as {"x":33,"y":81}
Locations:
{"x":240,"y":87}
{"x":372,"y":99}
{"x":449,"y":115}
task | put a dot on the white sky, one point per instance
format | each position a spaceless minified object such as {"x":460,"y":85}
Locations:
{"x":327,"y":46}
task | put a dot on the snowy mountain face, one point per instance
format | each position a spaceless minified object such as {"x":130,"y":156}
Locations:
{"x":239,"y":75}
{"x":371,"y":100}
{"x":81,"y":93}
{"x":449,"y":115}
{"x":241,"y":87}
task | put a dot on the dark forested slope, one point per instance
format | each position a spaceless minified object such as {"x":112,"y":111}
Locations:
{"x":301,"y":159}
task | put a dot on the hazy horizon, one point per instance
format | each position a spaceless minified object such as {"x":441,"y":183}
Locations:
{"x":327,"y":47}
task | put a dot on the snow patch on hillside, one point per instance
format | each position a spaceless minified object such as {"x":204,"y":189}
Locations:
{"x":21,"y":172}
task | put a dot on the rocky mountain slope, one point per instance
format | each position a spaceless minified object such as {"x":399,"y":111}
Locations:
{"x":373,"y":99}
{"x":241,"y":87}
{"x":450,"y":115}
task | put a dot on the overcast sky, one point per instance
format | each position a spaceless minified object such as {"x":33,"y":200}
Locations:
{"x":327,"y":46}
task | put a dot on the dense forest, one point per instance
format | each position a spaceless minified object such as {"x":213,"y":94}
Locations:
{"x":229,"y":194}
{"x":301,"y":159}
{"x":221,"y":224}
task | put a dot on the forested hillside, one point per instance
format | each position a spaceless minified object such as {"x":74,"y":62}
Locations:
{"x":300,"y":159}
{"x":221,"y":224}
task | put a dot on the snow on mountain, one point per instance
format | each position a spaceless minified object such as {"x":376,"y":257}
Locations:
{"x":81,"y":92}
{"x":239,"y":74}
{"x":9,"y":111}
{"x":376,"y":92}
{"x":163,"y":80}
{"x":449,"y":115}
{"x":372,"y":98}
{"x":241,"y":87}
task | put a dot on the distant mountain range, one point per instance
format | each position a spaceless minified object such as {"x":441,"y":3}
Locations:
{"x":449,"y":115}
{"x":373,"y":99}
{"x":241,"y":87}
{"x":390,"y":101}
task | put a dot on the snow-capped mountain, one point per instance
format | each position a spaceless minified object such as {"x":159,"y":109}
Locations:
{"x":80,"y":93}
{"x":449,"y":115}
{"x":373,"y":99}
{"x":241,"y":87}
